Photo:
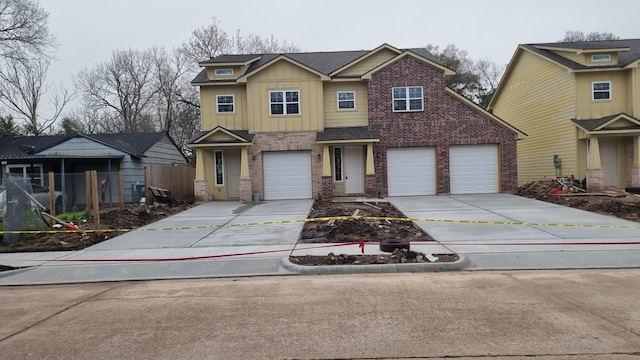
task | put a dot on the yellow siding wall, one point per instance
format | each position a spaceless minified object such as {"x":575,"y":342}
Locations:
{"x":237,"y":72}
{"x":369,"y":63}
{"x":579,"y":58}
{"x":210,"y":117}
{"x":634,"y":90}
{"x":310,"y":87}
{"x":620,"y":94}
{"x":340,"y":118}
{"x":538,"y":98}
{"x":613,"y":61}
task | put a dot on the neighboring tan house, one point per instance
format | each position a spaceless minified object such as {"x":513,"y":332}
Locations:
{"x":69,"y":156}
{"x":324,"y":124}
{"x":579,"y":103}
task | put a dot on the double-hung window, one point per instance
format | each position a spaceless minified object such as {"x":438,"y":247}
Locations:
{"x":408,"y":98}
{"x":285,"y":102}
{"x":601,"y":90}
{"x":225,"y":103}
{"x":346,"y":100}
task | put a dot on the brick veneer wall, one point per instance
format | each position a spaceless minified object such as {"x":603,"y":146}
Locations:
{"x":445,"y":121}
{"x":285,"y":141}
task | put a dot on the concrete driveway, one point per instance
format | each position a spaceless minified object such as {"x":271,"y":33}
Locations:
{"x":571,"y":239}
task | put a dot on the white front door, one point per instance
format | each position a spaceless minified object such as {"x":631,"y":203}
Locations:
{"x":609,"y":161}
{"x":233,"y":173}
{"x":354,"y":182}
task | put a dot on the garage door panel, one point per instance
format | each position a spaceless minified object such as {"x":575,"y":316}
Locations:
{"x":474,"y":169}
{"x":287,"y":175}
{"x":411,"y":171}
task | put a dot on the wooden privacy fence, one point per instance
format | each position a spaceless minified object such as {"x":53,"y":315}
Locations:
{"x":177,"y":179}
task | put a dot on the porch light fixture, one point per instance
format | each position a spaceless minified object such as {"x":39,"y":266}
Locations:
{"x":253,"y":158}
{"x":319,"y":156}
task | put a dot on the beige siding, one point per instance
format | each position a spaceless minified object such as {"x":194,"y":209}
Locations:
{"x":613,"y":61}
{"x":232,"y":121}
{"x":634,"y":91}
{"x":620,"y":96}
{"x":341,"y":118}
{"x":369,"y":63}
{"x":579,"y":58}
{"x":538,"y":98}
{"x":308,"y":84}
{"x":237,"y":72}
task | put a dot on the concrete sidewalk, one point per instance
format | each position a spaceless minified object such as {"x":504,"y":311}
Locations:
{"x":572,"y":239}
{"x":203,"y":252}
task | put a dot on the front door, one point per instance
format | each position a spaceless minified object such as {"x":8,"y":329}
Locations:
{"x":233,"y":173}
{"x":609,"y":160}
{"x":353,"y":167}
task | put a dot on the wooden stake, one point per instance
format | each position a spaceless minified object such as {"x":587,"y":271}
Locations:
{"x":87,"y":177}
{"x":52,"y":194}
{"x":96,"y":205}
{"x":121,"y":184}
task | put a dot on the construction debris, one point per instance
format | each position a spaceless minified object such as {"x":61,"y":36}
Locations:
{"x":557,"y":186}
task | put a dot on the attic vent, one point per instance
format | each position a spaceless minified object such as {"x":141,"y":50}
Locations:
{"x":601,"y":57}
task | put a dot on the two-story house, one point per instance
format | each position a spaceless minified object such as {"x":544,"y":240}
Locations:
{"x":579,"y":103}
{"x":375,"y":122}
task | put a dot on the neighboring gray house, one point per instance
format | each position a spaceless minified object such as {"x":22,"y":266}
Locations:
{"x":69,"y":156}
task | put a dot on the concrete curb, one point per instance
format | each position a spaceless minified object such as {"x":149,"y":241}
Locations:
{"x":14,"y":271}
{"x":369,"y":269}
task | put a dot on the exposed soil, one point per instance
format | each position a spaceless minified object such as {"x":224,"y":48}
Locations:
{"x":128,"y":218}
{"x":620,"y":207}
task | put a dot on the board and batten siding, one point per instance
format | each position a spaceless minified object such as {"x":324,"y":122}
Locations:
{"x":211,"y":118}
{"x":309,"y":85}
{"x":341,"y":118}
{"x":620,"y":101}
{"x":538,"y":98}
{"x":363,"y":66}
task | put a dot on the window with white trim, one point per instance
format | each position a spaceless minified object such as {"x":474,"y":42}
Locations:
{"x":219,"y":168}
{"x":346,"y":100}
{"x":601,"y":57}
{"x":284,"y":102}
{"x":33,"y":172}
{"x":225,"y":103}
{"x":224,"y":71}
{"x":337,"y":164}
{"x":601,"y":90}
{"x":408,"y":98}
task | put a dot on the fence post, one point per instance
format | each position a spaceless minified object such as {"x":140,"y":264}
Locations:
{"x":147,"y":198}
{"x":96,"y":207}
{"x":121,"y":185}
{"x":87,"y":177}
{"x":52,"y":194}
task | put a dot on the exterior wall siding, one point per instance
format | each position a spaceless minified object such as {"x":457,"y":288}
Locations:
{"x":237,"y":120}
{"x":311,"y":117}
{"x":341,"y":118}
{"x":620,"y":101}
{"x":445,"y":121}
{"x":369,"y":63}
{"x":539,"y":99}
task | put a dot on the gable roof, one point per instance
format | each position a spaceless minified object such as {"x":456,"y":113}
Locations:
{"x":27,"y":146}
{"x":607,"y":123}
{"x":348,"y":134}
{"x":134,"y":144}
{"x":233,"y":137}
{"x":324,"y":63}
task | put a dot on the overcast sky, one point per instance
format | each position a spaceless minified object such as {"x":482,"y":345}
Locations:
{"x":90,"y":30}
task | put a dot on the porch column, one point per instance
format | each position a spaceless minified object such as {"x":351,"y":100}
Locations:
{"x":327,"y":179}
{"x":245,"y":180}
{"x":635,"y":167}
{"x":200,"y":182}
{"x":595,"y":172}
{"x":370,"y":174}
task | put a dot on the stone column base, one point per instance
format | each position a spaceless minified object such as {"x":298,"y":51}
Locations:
{"x":200,"y":190}
{"x":595,"y":180}
{"x":370,"y":189}
{"x":327,"y":187}
{"x":245,"y":189}
{"x":635,"y":176}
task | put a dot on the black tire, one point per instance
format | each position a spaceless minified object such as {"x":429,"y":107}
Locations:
{"x":390,"y":245}
{"x":633,"y":190}
{"x":58,"y":206}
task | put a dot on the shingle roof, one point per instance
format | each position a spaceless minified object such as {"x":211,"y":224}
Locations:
{"x":624,"y":57}
{"x":593,"y":124}
{"x":244,"y":134}
{"x":135,"y":144}
{"x":10,"y":147}
{"x":347,"y":133}
{"x":322,"y":62}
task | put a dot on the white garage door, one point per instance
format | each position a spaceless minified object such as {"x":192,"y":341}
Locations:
{"x":287,"y":175}
{"x":411,"y":171}
{"x":474,"y":169}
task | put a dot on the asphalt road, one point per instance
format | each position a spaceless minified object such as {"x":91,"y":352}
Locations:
{"x":572,"y":314}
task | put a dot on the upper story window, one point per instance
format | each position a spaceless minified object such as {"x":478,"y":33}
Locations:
{"x":225,"y":103}
{"x":224,"y":71}
{"x":285,"y":102}
{"x":346,"y":100}
{"x":601,"y":90}
{"x":601,"y":57}
{"x":407,"y":98}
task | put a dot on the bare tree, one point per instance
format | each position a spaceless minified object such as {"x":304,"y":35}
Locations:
{"x":23,"y":85}
{"x":575,"y":36}
{"x":488,"y":74}
{"x":24,"y":30}
{"x":207,"y":42}
{"x":126,"y":85}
